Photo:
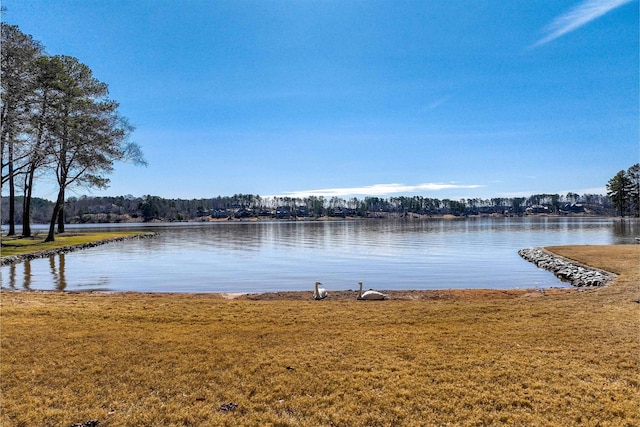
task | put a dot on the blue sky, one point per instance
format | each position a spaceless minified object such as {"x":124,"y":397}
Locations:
{"x":439,"y":98}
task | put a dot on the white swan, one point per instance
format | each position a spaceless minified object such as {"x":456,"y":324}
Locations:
{"x":370,"y":295}
{"x":320,"y":293}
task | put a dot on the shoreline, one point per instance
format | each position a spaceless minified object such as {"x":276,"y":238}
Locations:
{"x":15,"y":259}
{"x":467,"y":294}
{"x":414,"y":295}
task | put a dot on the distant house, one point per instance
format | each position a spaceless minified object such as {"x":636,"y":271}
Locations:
{"x":537,"y":209}
{"x":283,"y":212}
{"x":573,"y":207}
{"x":351,"y":212}
{"x":337,"y":211}
{"x":243,"y":213}
{"x":219,"y":213}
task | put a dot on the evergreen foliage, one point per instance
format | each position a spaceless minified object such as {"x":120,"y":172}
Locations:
{"x":624,"y":191}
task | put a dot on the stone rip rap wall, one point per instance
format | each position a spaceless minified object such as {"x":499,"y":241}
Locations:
{"x":566,"y":270}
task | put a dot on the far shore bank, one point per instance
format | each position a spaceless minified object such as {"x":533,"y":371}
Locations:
{"x":106,"y":221}
{"x":125,"y":219}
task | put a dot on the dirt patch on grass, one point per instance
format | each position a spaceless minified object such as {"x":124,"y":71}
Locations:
{"x":410,"y":295}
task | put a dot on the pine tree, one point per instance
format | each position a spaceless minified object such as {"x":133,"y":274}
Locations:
{"x":617,"y":191}
{"x":89,"y":134}
{"x":633,"y":190}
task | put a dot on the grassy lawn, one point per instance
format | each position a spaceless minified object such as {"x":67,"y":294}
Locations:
{"x":16,"y":245}
{"x":130,"y":359}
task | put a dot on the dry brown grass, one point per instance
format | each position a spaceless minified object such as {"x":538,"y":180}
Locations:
{"x":441,"y":358}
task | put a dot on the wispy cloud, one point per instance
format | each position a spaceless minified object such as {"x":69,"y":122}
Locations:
{"x":575,"y":18}
{"x":377,"y":190}
{"x":435,"y":104}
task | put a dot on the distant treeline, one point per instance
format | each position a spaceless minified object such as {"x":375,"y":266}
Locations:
{"x":243,"y":206}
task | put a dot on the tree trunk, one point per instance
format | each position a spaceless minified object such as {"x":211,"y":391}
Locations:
{"x":12,"y":195}
{"x":26,"y":203}
{"x":61,"y":216}
{"x":56,"y":210}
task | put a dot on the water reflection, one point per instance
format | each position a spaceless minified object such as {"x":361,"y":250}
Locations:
{"x":31,"y":281}
{"x":27,"y":275}
{"x":12,"y":276}
{"x":275,"y":256}
{"x":626,"y":227}
{"x":58,"y":273}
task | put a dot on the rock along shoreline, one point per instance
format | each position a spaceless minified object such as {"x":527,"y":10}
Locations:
{"x":577,"y":274}
{"x":14,"y":259}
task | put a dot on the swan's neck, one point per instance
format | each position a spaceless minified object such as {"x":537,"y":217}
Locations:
{"x":360,"y":292}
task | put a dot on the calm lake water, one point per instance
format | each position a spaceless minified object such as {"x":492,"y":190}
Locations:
{"x":291,"y":256}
